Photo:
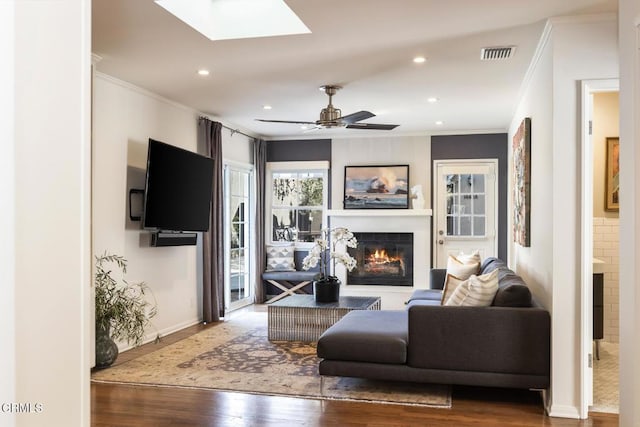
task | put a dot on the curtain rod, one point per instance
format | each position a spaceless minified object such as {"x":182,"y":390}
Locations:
{"x":233,"y":131}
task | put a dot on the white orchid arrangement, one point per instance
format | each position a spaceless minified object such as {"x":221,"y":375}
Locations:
{"x":341,"y":238}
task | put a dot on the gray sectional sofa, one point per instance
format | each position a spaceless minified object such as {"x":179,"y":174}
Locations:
{"x":504,"y":345}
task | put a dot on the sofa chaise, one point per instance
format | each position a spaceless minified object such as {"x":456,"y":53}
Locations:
{"x":504,"y":345}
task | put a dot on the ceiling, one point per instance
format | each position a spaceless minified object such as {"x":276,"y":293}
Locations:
{"x":366,"y":46}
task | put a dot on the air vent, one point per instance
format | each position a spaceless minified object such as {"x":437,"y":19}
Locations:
{"x":497,"y":53}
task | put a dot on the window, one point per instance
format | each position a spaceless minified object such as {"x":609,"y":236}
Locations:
{"x":298,"y":198}
{"x":238,"y":239}
{"x":466,"y":214}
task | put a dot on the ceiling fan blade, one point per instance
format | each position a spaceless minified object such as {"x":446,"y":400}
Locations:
{"x":313,"y":129}
{"x":373,"y":126}
{"x":286,"y":121}
{"x":356,"y":117}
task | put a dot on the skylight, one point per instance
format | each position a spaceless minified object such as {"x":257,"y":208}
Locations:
{"x":236,"y":19}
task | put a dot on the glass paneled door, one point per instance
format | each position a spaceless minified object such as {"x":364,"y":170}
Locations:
{"x":238,"y":225}
{"x":465,"y":212}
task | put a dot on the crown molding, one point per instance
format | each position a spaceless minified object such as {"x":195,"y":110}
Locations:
{"x":130,"y":86}
{"x":582,"y":19}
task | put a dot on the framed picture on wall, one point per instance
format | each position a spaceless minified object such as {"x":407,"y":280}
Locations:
{"x":376,"y":187}
{"x":522,"y":184}
{"x":612,"y":168}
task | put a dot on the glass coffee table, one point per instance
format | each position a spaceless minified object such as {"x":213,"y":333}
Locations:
{"x":300,"y":318}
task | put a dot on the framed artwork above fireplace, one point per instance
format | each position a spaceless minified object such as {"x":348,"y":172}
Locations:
{"x":376,"y":187}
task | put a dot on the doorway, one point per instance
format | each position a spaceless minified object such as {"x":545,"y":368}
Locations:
{"x":466,"y":208}
{"x":238,"y":235}
{"x":599,"y":251}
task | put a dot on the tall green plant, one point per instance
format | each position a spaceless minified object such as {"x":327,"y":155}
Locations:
{"x":122,"y":307}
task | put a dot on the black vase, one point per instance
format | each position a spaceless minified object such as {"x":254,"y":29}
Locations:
{"x":326,"y":290}
{"x":106,"y":348}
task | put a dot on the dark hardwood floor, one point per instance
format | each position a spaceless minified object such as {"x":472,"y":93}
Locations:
{"x":127,"y":405}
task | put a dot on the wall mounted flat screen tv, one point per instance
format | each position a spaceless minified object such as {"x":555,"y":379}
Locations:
{"x":177,"y":189}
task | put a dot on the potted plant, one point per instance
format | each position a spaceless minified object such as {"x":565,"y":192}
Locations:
{"x":327,"y":287}
{"x":122,"y":310}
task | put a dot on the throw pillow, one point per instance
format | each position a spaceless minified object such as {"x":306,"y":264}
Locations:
{"x":477,"y":291}
{"x":450,"y":285}
{"x":471,"y":258}
{"x":461,"y":269}
{"x":280,"y":257}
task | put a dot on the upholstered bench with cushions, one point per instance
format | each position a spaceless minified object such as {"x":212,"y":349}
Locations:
{"x":284,"y":272}
{"x":505,"y":344}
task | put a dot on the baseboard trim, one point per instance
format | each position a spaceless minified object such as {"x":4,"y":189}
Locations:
{"x":564,"y":411}
{"x":151,"y":336}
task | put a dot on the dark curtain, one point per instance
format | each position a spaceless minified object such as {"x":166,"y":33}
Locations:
{"x":260,"y":164}
{"x":210,"y":136}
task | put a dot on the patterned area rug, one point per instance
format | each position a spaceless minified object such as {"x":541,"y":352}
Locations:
{"x":237,"y":356}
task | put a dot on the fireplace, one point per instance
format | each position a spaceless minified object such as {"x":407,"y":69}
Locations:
{"x":383,"y":259}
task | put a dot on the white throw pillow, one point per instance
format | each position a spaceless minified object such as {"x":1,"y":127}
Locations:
{"x":280,"y":257}
{"x":460,"y":269}
{"x":477,"y":291}
{"x":450,"y":285}
{"x":471,"y":258}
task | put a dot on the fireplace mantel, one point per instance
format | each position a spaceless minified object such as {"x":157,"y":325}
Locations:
{"x":416,"y":221}
{"x":379,"y":212}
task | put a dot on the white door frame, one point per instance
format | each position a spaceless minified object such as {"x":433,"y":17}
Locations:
{"x":589,"y":87}
{"x":249,"y":299}
{"x":434,"y":180}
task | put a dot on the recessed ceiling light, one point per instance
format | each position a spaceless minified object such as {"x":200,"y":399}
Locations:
{"x":419,"y":59}
{"x":432,"y":99}
{"x":266,"y":107}
{"x":203,"y":72}
{"x":439,"y":122}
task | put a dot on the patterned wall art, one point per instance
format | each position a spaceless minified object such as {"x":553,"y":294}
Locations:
{"x":612,"y":202}
{"x":522,"y":184}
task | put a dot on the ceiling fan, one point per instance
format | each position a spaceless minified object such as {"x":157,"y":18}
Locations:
{"x":331,"y":117}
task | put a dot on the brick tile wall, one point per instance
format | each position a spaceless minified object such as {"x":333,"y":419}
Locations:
{"x":605,"y":247}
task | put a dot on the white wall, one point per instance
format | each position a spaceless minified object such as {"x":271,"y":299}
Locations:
{"x":535,"y":263}
{"x":46,"y":149}
{"x":125,"y":117}
{"x":582,"y":50}
{"x":629,"y":36}
{"x":414,"y":151}
{"x":7,"y":216}
{"x":578,"y":48}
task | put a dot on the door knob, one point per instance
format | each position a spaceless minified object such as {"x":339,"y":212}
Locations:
{"x":441,"y":242}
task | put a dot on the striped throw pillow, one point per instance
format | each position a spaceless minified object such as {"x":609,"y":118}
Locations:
{"x":460,"y":269}
{"x":477,"y":291}
{"x":450,"y":285}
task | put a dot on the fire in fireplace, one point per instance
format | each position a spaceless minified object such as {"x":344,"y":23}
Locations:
{"x":383,"y":259}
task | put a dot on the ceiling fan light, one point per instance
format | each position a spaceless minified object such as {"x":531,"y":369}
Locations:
{"x":419,"y":59}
